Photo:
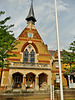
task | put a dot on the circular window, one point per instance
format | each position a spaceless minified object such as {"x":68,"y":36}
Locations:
{"x":30,"y":35}
{"x":29,"y":46}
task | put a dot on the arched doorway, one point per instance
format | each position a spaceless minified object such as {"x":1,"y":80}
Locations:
{"x":17,"y":80}
{"x":42,"y":80}
{"x":30,"y":80}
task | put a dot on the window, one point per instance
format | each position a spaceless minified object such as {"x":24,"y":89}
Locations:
{"x":29,"y":47}
{"x":32,"y":56}
{"x":57,"y":78}
{"x":57,"y":64}
{"x":29,"y":55}
{"x":30,"y":35}
{"x":26,"y":55}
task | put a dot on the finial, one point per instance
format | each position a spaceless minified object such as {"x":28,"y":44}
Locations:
{"x":31,"y":2}
{"x":31,"y":16}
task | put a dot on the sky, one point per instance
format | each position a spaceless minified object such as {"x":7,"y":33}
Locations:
{"x":44,"y":11}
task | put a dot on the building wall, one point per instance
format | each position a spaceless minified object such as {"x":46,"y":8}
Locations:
{"x":55,"y":70}
{"x":5,"y":75}
{"x":42,"y":53}
{"x":41,"y":56}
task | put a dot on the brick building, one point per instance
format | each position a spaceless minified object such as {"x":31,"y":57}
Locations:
{"x":32,"y":66}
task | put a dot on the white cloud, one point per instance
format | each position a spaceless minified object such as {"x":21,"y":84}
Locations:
{"x":45,"y":15}
{"x":62,"y":6}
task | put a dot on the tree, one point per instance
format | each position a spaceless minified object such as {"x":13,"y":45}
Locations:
{"x":69,"y":58}
{"x":7,"y":41}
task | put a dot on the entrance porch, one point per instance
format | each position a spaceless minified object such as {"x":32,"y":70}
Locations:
{"x":71,"y":79}
{"x":28,"y":81}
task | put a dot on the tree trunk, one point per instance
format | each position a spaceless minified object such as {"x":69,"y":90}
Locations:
{"x":1,"y":72}
{"x":2,"y":69}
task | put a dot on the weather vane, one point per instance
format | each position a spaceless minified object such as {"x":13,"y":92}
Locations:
{"x":32,"y":1}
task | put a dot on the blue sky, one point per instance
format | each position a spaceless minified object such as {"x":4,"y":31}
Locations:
{"x":45,"y":14}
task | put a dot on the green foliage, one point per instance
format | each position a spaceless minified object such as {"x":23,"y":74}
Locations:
{"x":72,"y":47}
{"x":69,"y":58}
{"x":69,"y":70}
{"x":7,"y":41}
{"x":1,"y":12}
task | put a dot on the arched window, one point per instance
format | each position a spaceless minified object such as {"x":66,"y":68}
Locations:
{"x":32,"y":56}
{"x":29,"y":55}
{"x":26,"y":56}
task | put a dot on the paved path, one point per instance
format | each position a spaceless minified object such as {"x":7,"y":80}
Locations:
{"x":25,"y":97}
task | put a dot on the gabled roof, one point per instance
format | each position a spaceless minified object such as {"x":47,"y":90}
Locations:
{"x":52,"y":52}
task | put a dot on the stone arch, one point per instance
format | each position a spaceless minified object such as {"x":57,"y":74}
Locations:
{"x":23,"y":47}
{"x":31,"y":73}
{"x":17,"y":72}
{"x":43,"y":80}
{"x":17,"y":79}
{"x":30,"y":80}
{"x":42,"y":73}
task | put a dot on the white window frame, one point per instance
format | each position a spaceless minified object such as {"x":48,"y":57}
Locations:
{"x":57,"y":64}
{"x":57,"y":78}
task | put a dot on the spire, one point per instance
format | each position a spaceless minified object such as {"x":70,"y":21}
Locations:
{"x":31,"y":16}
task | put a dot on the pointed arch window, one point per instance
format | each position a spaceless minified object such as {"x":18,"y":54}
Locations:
{"x":29,"y":55}
{"x":26,"y":56}
{"x":32,"y":56}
